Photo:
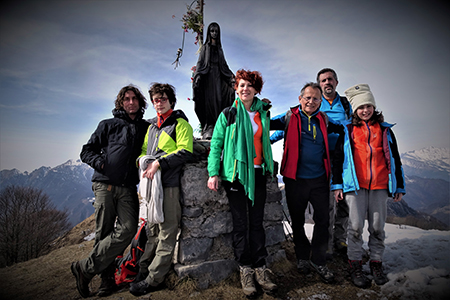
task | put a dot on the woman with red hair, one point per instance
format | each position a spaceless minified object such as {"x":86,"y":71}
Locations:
{"x":241,"y":138}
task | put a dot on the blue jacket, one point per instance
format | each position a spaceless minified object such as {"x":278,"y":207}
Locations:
{"x":338,"y":111}
{"x":344,"y":174}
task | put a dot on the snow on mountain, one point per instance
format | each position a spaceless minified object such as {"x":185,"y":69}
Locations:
{"x":427,"y":174}
{"x":428,"y":162}
{"x":68,"y":186}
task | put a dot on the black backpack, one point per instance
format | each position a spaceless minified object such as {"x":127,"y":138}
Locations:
{"x":128,"y":265}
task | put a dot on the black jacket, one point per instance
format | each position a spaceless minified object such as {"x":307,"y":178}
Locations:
{"x":115,"y":145}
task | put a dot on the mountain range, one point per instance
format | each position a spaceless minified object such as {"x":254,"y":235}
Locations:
{"x":68,"y":186}
{"x":427,"y":173}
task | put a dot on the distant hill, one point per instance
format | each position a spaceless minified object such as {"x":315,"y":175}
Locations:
{"x":428,"y":181}
{"x":68,"y":186}
{"x":427,"y":185}
{"x":430,"y":162}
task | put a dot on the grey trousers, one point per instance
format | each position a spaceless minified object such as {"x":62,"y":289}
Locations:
{"x":337,"y":229}
{"x":111,"y":202}
{"x":372,"y":203}
{"x":158,"y":254}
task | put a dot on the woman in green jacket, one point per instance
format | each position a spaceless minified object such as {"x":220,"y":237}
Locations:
{"x":241,"y":135}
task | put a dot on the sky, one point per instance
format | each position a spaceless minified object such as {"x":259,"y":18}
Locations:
{"x":63,"y":62}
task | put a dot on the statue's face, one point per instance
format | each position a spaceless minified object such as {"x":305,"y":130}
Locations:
{"x":214,"y":32}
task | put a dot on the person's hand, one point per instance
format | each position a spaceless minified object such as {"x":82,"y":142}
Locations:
{"x":338,"y":195}
{"x":397,"y":197}
{"x":151,"y":170}
{"x":213,"y":183}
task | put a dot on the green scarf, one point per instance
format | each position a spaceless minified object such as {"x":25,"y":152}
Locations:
{"x":245,"y":149}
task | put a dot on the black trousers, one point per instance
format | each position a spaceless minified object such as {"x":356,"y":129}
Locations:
{"x":298,"y":193}
{"x":249,"y":236}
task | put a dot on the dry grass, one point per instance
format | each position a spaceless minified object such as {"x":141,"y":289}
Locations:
{"x":49,"y":277}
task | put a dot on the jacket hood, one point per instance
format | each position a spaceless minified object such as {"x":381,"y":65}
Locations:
{"x":120,"y":113}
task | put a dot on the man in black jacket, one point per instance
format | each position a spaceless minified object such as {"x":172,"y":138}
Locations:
{"x":112,"y":151}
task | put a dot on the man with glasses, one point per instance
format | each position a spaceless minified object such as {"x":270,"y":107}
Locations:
{"x":306,"y":173}
{"x":337,"y":109}
{"x":167,"y":146}
{"x":112,"y":151}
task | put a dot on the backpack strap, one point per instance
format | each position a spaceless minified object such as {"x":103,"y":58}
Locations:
{"x":230,"y":113}
{"x":325,"y":117}
{"x":346,"y":106}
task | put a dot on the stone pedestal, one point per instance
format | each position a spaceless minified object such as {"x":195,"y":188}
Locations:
{"x":205,"y":250}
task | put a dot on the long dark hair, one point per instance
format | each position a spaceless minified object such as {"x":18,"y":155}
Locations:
{"x":377,"y":117}
{"x":119,"y":99}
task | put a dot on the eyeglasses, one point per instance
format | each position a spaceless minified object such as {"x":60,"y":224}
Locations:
{"x":307,"y":99}
{"x":160,"y":100}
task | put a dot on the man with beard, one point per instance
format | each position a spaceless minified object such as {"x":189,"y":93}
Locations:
{"x":338,"y":109}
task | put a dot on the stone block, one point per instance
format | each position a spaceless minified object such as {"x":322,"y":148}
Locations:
{"x":275,"y":234}
{"x":207,"y":273}
{"x":194,"y":250}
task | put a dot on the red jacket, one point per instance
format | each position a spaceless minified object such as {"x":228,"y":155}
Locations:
{"x":292,"y":143}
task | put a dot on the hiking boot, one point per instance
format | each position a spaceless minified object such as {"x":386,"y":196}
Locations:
{"x":341,"y":248}
{"x":324,"y":272}
{"x":140,"y":276}
{"x":107,"y":287}
{"x":356,"y":273}
{"x":263,"y":279}
{"x":141,"y":288}
{"x":376,"y":269}
{"x":247,"y":281}
{"x":303,"y":266}
{"x":82,"y":281}
{"x":329,"y":255}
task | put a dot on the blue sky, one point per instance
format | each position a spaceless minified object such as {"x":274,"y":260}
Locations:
{"x":63,"y":62}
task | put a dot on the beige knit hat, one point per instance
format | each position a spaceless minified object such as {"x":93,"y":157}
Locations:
{"x":360,"y":94}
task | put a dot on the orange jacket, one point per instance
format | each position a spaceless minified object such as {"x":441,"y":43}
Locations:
{"x":370,"y":162}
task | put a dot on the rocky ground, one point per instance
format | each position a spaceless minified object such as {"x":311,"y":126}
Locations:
{"x":49,"y":277}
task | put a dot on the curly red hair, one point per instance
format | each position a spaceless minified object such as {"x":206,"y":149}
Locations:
{"x":254,"y":77}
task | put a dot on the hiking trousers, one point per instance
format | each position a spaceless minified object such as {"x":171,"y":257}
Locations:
{"x":158,"y":254}
{"x":372,"y":203}
{"x":337,"y":229}
{"x":111,"y":203}
{"x":249,"y":235}
{"x":298,"y":193}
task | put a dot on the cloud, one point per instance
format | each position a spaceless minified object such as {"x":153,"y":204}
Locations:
{"x":62,"y":63}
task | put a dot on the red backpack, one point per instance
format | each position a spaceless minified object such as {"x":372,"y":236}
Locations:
{"x":128,"y":266}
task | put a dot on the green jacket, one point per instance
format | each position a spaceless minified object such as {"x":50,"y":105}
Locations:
{"x":171,"y":145}
{"x":225,"y":139}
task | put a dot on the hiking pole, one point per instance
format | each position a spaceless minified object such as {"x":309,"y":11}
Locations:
{"x":290,"y":225}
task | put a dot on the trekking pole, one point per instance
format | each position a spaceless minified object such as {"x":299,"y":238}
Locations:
{"x":290,"y":225}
